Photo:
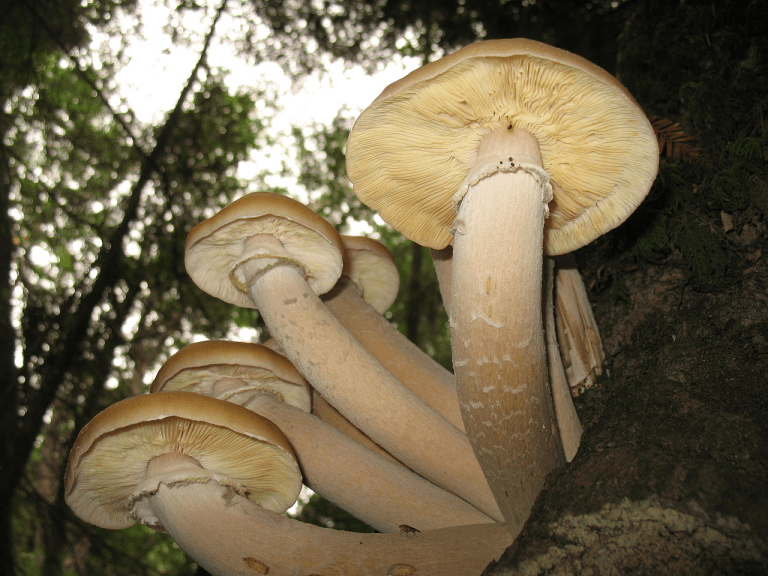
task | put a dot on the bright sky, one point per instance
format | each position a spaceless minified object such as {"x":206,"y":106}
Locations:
{"x":157,"y":71}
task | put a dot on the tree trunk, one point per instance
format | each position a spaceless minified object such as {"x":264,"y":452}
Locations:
{"x":670,"y":477}
{"x":9,"y":374}
{"x":415,"y":302}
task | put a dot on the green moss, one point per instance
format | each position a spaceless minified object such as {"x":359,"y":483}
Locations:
{"x":737,"y":163}
{"x":700,"y":247}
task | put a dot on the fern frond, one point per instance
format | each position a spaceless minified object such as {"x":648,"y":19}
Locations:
{"x":673,"y":140}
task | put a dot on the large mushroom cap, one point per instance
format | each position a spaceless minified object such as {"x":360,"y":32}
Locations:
{"x":107,"y":468}
{"x":410,"y":151}
{"x":217,"y":247}
{"x":227,"y":370}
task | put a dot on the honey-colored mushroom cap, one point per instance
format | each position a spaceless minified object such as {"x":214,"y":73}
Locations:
{"x":217,"y":248}
{"x":224,"y":369}
{"x":411,"y":150}
{"x":107,"y":469}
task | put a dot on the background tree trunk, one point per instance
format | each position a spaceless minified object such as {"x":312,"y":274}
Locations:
{"x":671,"y":474}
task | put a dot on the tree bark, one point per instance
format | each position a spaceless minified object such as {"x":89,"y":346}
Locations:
{"x":671,"y":473}
{"x":415,"y":297}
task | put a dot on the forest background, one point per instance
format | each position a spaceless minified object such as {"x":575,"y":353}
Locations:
{"x":671,"y":473}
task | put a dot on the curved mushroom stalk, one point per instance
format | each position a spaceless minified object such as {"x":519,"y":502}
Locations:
{"x":351,"y":379}
{"x":372,"y":488}
{"x":367,"y":288}
{"x":240,"y":539}
{"x":569,"y":309}
{"x":497,"y":335}
{"x":254,"y":253}
{"x":412,"y":366}
{"x":328,"y":414}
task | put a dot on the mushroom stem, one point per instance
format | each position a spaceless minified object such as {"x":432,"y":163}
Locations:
{"x":565,"y":412}
{"x":322,"y":409}
{"x":365,"y":392}
{"x":240,"y":539}
{"x":372,"y":488}
{"x":328,"y":414}
{"x":578,"y":337}
{"x":408,"y":363}
{"x":496,"y":321}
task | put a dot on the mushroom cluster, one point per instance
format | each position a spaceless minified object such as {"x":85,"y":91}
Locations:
{"x":498,"y":158}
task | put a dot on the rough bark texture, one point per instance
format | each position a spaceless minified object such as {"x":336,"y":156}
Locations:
{"x":671,"y":474}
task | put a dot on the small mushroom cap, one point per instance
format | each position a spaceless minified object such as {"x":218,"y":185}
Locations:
{"x":371,"y":266}
{"x":107,"y":468}
{"x":216,"y":247}
{"x":410,"y":150}
{"x":224,"y":369}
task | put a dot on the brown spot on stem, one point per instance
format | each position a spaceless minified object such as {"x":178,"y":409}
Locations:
{"x":401,"y":570}
{"x":256,"y":565}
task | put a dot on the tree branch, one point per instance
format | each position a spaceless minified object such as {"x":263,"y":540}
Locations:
{"x":74,"y":323}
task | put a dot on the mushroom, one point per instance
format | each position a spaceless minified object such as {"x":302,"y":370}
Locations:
{"x":243,"y":539}
{"x":258,"y":252}
{"x":371,"y":267}
{"x":366,"y":289}
{"x":377,"y":491}
{"x":234,"y":371}
{"x":510,"y":149}
{"x":122,"y":457}
{"x":216,"y":477}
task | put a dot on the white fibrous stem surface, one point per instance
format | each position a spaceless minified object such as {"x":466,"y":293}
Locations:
{"x":496,"y":322}
{"x":414,"y":368}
